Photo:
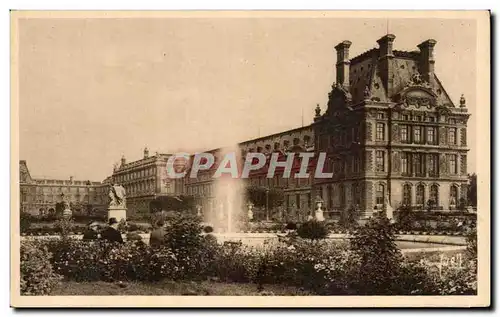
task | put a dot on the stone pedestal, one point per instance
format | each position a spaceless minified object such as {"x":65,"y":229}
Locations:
{"x":117,"y":212}
{"x":319,"y":215}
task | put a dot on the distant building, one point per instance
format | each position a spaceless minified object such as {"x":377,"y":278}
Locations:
{"x":145,"y":180}
{"x":40,"y":196}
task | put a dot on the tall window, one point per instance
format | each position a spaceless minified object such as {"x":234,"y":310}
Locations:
{"x":431,"y":135}
{"x":405,"y":168}
{"x":420,"y":195}
{"x":417,"y":135}
{"x":453,"y":164}
{"x":407,"y":194}
{"x":433,"y":164}
{"x":452,"y":136}
{"x":297,"y":201}
{"x":404,"y":133}
{"x":330,"y":196}
{"x":380,"y":132}
{"x":357,"y":195}
{"x":380,"y":161}
{"x":434,"y":194}
{"x":453,"y":195}
{"x":419,"y":161}
{"x":342,"y":195}
{"x":380,"y":194}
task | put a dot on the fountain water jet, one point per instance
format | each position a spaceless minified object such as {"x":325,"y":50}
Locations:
{"x":229,"y":200}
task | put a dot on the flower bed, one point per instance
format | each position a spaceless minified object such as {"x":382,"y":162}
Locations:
{"x":368,"y":264}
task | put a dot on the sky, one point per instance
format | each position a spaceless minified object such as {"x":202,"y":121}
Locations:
{"x":92,"y":90}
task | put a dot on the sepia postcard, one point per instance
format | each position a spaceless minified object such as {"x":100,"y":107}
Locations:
{"x":250,"y":159}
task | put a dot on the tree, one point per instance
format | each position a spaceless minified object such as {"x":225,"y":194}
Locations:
{"x":257,"y":196}
{"x":378,"y":257}
{"x":349,"y":218}
{"x":405,"y":218}
{"x":472,"y":190}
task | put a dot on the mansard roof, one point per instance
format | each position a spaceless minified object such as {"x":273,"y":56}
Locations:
{"x":366,"y":80}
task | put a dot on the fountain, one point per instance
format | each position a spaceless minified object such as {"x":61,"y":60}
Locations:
{"x":229,"y":198}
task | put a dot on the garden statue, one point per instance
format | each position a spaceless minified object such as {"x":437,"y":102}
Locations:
{"x":117,"y":196}
{"x":67,"y":213}
{"x":117,"y":204}
{"x":389,"y":211}
{"x":198,"y":210}
{"x":250,"y":211}
{"x":319,"y":210}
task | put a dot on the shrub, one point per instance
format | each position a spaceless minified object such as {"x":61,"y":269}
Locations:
{"x":405,"y":218}
{"x":349,"y":218}
{"x":25,"y":221}
{"x":65,"y":227}
{"x":37,"y":275}
{"x":208,"y":229}
{"x":457,"y":280}
{"x":313,"y":230}
{"x":471,"y":239}
{"x":291,"y":226}
{"x":378,"y":256}
{"x":99,"y":260}
{"x":185,"y":240}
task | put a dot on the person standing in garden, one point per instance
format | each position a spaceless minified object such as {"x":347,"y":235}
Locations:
{"x":111,"y":233}
{"x":92,"y":232}
{"x":157,"y":235}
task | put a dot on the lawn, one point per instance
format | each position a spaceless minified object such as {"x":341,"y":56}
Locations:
{"x":69,"y":288}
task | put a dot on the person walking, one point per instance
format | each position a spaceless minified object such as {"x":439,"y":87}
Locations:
{"x":111,"y":233}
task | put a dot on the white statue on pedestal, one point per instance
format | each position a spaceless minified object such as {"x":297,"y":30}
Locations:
{"x":250,"y":211}
{"x":117,"y":204}
{"x":318,"y":214}
{"x":389,"y":211}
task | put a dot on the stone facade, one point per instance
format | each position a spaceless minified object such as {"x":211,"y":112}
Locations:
{"x":413,"y":143}
{"x":389,"y":128}
{"x":145,"y":180}
{"x":40,"y":196}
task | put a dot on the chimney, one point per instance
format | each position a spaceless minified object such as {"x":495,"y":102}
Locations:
{"x":343,"y":63}
{"x":427,"y":60}
{"x":124,"y":161}
{"x":71,"y":179}
{"x":146,"y":153}
{"x":385,"y":61}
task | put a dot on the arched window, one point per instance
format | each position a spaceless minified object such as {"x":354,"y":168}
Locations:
{"x":434,"y":195}
{"x":407,"y":194}
{"x":453,"y":195}
{"x":380,"y":194}
{"x":420,"y":195}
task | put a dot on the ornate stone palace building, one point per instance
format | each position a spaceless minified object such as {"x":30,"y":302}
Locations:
{"x":145,"y":180}
{"x":40,"y":196}
{"x":390,"y":131}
